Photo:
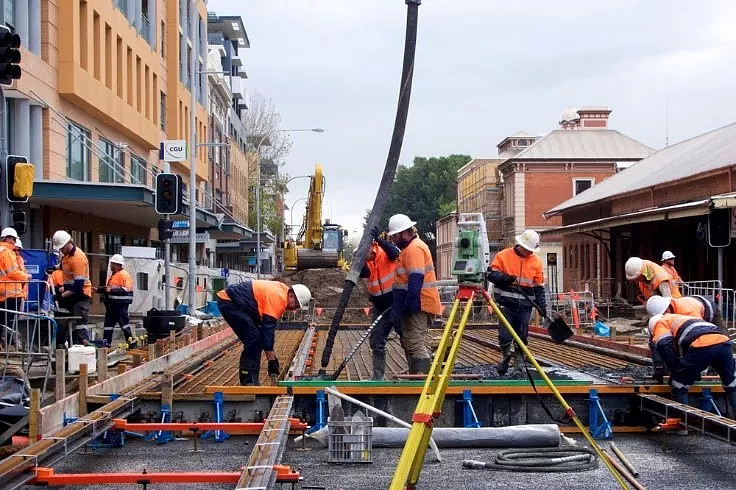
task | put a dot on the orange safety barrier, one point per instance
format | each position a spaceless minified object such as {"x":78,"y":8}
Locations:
{"x":247,"y":428}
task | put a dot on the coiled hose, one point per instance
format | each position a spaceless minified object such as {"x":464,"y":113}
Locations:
{"x":540,"y":460}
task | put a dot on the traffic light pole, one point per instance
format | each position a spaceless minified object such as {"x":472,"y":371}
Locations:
{"x":167,"y":256}
{"x":4,"y":203}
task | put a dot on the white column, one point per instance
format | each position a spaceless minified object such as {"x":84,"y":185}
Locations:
{"x":36,"y":136}
{"x":21,"y":132}
{"x":153,"y":21}
{"x":21,"y":21}
{"x":34,"y":26}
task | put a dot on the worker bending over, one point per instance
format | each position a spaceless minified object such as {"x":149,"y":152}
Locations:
{"x":668,"y":264}
{"x":688,"y":346}
{"x":252,"y":308}
{"x":379,"y":270}
{"x":118,"y":297}
{"x":416,"y":299}
{"x":516,"y":273}
{"x":651,"y":278}
{"x":12,"y":277}
{"x":77,"y":290}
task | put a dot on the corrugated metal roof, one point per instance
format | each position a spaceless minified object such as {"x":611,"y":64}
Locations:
{"x":585,"y":144}
{"x":707,"y":152}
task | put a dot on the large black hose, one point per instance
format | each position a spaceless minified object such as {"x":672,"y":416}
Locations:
{"x":387,"y":179}
{"x":540,"y":460}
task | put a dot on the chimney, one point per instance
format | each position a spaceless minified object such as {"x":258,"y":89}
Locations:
{"x":594,"y":117}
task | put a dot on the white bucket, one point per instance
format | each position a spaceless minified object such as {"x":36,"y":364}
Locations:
{"x":80,"y":354}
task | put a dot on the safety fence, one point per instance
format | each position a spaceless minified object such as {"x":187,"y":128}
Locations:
{"x":577,"y":308}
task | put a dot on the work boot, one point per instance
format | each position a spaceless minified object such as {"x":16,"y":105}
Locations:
{"x":249,"y":371}
{"x":680,"y":395}
{"x":422,"y":365}
{"x":732,"y":403}
{"x":518,"y":360}
{"x":503,"y":366}
{"x":379,"y":366}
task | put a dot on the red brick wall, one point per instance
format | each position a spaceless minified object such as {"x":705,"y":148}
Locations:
{"x":545,"y":190}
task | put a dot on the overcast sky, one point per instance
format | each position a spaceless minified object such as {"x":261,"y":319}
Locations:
{"x":484,"y":69}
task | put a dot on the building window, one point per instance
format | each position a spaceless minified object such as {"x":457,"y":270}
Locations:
{"x":77,"y":152}
{"x":142,"y":280}
{"x":9,"y":12}
{"x":112,"y":163}
{"x":138,"y":170}
{"x":163,"y":39}
{"x":138,"y":242}
{"x":113,"y":244}
{"x":580,"y":185}
{"x":163,"y":111}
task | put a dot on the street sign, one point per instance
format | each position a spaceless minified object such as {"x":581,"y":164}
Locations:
{"x":183,"y":237}
{"x":180,"y":225}
{"x":173,"y":151}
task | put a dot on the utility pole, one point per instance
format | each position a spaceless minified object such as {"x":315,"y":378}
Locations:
{"x":193,"y":158}
{"x":4,"y":203}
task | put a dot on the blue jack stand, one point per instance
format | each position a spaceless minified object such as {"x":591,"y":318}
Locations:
{"x":218,"y":435}
{"x":707,"y":402}
{"x":162,"y":436}
{"x":321,"y":418}
{"x":470,"y":420}
{"x":598,"y":430}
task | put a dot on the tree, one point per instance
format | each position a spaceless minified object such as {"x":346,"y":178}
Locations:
{"x":425,"y":192}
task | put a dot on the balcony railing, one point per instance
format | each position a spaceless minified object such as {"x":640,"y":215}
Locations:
{"x":145,"y":29}
{"x":122,"y":5}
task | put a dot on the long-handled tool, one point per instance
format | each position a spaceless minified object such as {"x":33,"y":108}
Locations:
{"x":362,"y":338}
{"x":557,"y":328}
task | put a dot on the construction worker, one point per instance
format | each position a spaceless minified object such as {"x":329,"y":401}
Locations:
{"x":22,"y":265}
{"x":688,"y":346}
{"x":77,"y":291}
{"x":252,"y":309}
{"x":416,"y":298}
{"x":12,"y":278}
{"x":668,"y":264}
{"x":118,"y":296}
{"x":517,"y":276}
{"x":693,"y":306}
{"x":379,"y":270}
{"x":651,"y":278}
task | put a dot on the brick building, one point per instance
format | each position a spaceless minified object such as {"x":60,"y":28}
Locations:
{"x":446,"y":234}
{"x":540,"y":173}
{"x":479,"y":191}
{"x":663,"y":202}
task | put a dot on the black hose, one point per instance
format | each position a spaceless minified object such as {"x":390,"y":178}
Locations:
{"x":387,"y":180}
{"x":540,"y":460}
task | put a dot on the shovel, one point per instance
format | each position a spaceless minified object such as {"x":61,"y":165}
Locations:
{"x":557,"y":328}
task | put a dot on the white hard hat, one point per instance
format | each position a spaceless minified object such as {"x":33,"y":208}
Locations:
{"x":117,"y":259}
{"x":653,"y":322}
{"x":633,"y":268}
{"x":60,"y":239}
{"x":9,"y":232}
{"x":18,"y":243}
{"x":398,"y":223}
{"x":303,"y":295}
{"x":667,"y":255}
{"x":528,"y":240}
{"x":657,"y":305}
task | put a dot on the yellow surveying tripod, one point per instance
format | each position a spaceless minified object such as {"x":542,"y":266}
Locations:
{"x":430,"y":401}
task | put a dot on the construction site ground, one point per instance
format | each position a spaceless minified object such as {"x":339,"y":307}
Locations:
{"x":663,"y":461}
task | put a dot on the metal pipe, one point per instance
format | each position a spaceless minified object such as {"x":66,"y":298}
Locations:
{"x":624,"y":459}
{"x":634,"y":482}
{"x":393,"y":419}
{"x":193,"y":163}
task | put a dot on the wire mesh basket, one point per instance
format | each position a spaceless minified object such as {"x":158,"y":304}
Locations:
{"x":350,"y":441}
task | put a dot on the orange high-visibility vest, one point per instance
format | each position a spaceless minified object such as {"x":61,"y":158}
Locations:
{"x":528,"y":271}
{"x":688,"y":306}
{"x":75,"y":267}
{"x":672,"y":272}
{"x":686,"y":332}
{"x":272,"y":297}
{"x":383,"y":270}
{"x":654,"y":275}
{"x":11,"y":276}
{"x":417,"y":259}
{"x":22,"y":267}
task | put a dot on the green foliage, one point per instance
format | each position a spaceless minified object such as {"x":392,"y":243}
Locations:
{"x":425,"y":192}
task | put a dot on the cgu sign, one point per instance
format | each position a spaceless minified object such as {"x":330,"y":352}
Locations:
{"x":173,"y":151}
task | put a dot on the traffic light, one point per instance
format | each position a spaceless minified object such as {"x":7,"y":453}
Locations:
{"x":9,"y":57}
{"x":165,"y":231}
{"x":19,"y":222}
{"x":169,"y":194}
{"x":19,"y":176}
{"x":719,"y":227}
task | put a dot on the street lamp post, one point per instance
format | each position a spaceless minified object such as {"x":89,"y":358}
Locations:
{"x":193,"y":160}
{"x":291,"y":218}
{"x":258,"y":191}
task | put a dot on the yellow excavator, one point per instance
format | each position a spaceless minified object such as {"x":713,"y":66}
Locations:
{"x":317,"y":246}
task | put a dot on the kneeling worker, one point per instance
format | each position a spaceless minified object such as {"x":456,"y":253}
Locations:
{"x":252,"y":309}
{"x":516,"y":274}
{"x":651,"y":278}
{"x":379,"y":270}
{"x":118,"y":296}
{"x":416,"y":297}
{"x":688,"y":346}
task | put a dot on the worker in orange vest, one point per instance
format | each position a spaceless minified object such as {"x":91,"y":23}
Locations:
{"x":379,"y":271}
{"x":118,"y":297}
{"x":77,"y":291}
{"x":668,"y":264}
{"x":651,"y":278}
{"x":12,"y":278}
{"x":252,"y":308}
{"x":688,"y":346}
{"x":22,"y":265}
{"x":516,"y":273}
{"x":416,"y":297}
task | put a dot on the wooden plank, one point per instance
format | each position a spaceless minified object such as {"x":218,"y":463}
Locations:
{"x":101,"y":364}
{"x":151,"y":352}
{"x":122,"y":368}
{"x":137,"y":359}
{"x":60,"y":380}
{"x":200,"y":332}
{"x":167,"y":390}
{"x":82,"y":394}
{"x":34,"y":422}
{"x":172,"y":340}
